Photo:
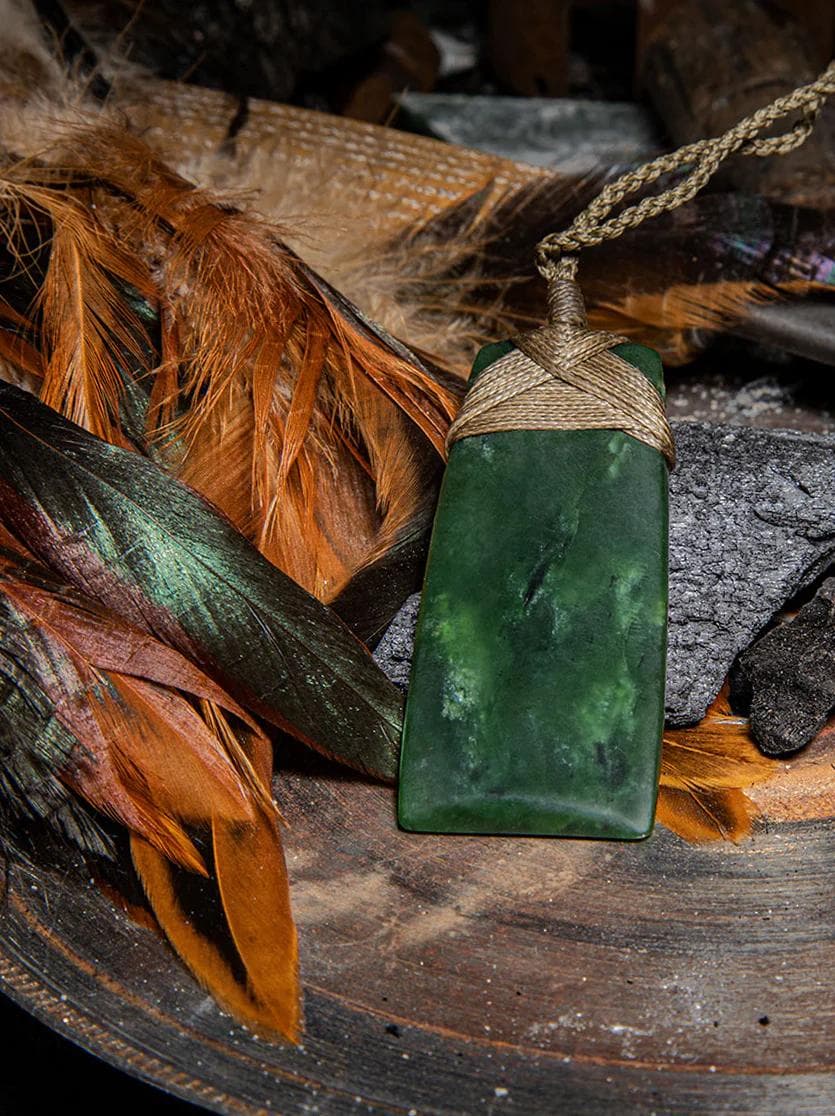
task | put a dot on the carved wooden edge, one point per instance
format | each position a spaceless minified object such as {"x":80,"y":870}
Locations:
{"x":36,"y":997}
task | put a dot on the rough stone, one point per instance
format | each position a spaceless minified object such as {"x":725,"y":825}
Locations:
{"x":574,"y":135}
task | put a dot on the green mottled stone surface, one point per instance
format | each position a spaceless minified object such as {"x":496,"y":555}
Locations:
{"x":536,"y":699}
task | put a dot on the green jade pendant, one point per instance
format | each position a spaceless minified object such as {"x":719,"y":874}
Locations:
{"x":536,"y":700}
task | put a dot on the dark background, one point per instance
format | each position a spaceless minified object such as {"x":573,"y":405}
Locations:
{"x":42,"y":1072}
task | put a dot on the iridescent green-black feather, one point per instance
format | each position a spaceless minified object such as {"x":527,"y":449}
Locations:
{"x":120,"y":529}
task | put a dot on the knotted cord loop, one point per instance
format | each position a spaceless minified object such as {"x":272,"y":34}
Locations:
{"x":555,"y":253}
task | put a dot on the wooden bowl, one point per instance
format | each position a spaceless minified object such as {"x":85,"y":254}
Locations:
{"x":458,"y":975}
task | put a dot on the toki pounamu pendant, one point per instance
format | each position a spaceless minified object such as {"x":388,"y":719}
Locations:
{"x":536,"y":699}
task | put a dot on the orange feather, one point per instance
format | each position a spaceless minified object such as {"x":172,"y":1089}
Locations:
{"x":272,"y":395}
{"x":252,"y":970}
{"x":87,"y":326}
{"x":16,"y":348}
{"x":705,"y":771}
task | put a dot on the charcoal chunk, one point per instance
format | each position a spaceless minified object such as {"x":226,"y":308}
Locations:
{"x":785,"y":681}
{"x":752,"y":522}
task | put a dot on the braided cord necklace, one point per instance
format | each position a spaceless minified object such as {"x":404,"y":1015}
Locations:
{"x":536,"y":700}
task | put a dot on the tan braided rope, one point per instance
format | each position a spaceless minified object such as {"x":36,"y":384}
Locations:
{"x":593,"y":225}
{"x":565,"y":376}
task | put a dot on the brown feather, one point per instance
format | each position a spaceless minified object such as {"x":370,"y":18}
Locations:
{"x":703,"y":815}
{"x":255,"y":893}
{"x":81,"y":378}
{"x":168,"y":759}
{"x":15,"y":548}
{"x":669,"y":284}
{"x":164,"y":396}
{"x":272,"y":395}
{"x":150,"y":761}
{"x":267,"y":1001}
{"x":86,"y":322}
{"x":16,"y":349}
{"x":668,"y":320}
{"x":705,"y":771}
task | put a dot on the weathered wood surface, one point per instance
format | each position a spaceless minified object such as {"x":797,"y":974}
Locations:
{"x":459,"y":975}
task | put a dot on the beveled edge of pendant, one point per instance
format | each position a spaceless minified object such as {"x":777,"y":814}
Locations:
{"x":602,"y":828}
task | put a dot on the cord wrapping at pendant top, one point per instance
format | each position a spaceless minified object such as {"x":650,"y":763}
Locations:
{"x":565,"y":304}
{"x":564,"y":376}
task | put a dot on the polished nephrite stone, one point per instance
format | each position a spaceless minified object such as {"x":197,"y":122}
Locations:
{"x":536,"y":700}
